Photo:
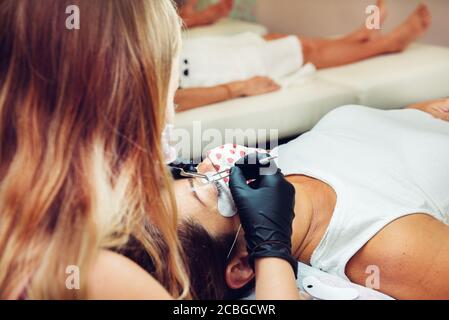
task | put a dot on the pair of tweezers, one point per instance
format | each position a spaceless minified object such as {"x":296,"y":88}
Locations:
{"x":219,"y":175}
{"x":226,"y":173}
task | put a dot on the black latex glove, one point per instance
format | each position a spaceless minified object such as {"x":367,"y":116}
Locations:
{"x":251,"y":166}
{"x":266,"y":210}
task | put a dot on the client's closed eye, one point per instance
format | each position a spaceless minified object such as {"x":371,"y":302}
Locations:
{"x":205,"y":193}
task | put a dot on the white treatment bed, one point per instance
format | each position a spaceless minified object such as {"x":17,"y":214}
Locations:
{"x":391,"y":81}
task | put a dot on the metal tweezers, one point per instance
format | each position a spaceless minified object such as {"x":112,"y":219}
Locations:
{"x":219,"y":175}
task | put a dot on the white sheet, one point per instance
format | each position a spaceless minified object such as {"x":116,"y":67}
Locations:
{"x":306,"y":271}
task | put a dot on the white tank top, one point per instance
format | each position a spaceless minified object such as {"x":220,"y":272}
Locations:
{"x":383,"y":165}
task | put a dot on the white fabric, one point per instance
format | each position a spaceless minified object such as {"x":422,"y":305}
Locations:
{"x":305,"y":271}
{"x":213,"y":61}
{"x":383,"y":165}
{"x":225,"y":27}
{"x":288,"y":111}
{"x":365,"y":293}
{"x":418,"y":74}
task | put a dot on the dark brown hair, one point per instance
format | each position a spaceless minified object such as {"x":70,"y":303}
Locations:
{"x":205,"y":257}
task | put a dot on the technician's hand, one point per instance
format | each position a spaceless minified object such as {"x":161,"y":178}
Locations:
{"x":252,"y":168}
{"x":266,"y":210}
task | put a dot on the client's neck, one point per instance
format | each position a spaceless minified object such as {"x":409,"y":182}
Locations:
{"x":314,"y":203}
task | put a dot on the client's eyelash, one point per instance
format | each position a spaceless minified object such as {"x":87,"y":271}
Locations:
{"x":219,"y":188}
{"x":193,"y":188}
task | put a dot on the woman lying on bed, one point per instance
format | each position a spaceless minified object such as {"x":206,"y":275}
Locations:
{"x":372,"y":189}
{"x":222,"y":68}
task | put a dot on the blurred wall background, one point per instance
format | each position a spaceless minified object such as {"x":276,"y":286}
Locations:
{"x":315,"y":18}
{"x":330,"y":17}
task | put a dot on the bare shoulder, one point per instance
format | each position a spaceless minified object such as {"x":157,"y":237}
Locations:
{"x":114,"y":276}
{"x":411,"y":256}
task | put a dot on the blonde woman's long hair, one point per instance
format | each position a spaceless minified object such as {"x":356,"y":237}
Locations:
{"x":81,"y":116}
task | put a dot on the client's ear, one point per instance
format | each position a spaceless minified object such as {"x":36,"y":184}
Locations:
{"x":239,"y":272}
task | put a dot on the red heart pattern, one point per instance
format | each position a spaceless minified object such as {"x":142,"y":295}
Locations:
{"x":224,"y":157}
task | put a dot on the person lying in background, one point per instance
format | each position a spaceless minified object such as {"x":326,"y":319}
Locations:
{"x":372,"y":189}
{"x":222,"y":68}
{"x":195,"y":18}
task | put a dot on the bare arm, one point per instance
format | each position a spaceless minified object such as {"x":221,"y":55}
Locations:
{"x":437,"y":108}
{"x":191,"y":98}
{"x":114,"y":277}
{"x":280,"y":287}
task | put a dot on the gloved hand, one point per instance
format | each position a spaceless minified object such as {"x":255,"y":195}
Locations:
{"x":266,"y":210}
{"x":251,"y":167}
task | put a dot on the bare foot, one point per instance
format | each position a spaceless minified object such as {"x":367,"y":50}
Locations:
{"x":413,"y":28}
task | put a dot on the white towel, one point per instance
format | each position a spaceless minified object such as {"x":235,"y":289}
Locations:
{"x":212,"y":61}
